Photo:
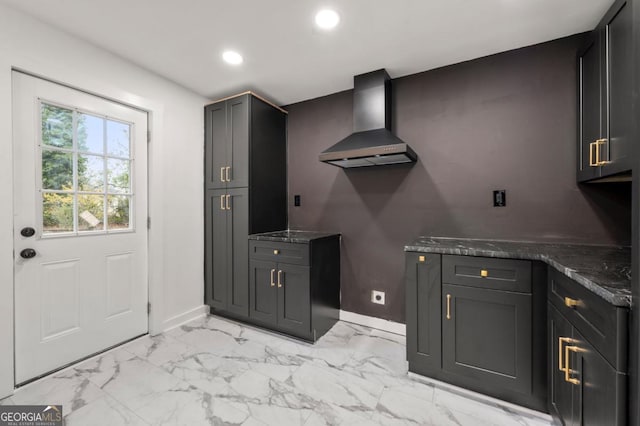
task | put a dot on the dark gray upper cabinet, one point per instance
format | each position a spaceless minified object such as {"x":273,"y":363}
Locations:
{"x":587,"y":356}
{"x":605,"y":98}
{"x":227,"y":135}
{"x":245,"y":192}
{"x":474,"y":322}
{"x":295,"y":287}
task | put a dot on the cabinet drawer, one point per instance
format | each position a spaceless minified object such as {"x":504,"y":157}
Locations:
{"x":485,"y":272}
{"x":292,"y":253}
{"x":601,"y":323}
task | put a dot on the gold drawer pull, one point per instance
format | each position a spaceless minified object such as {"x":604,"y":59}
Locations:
{"x":484,"y":273}
{"x":226,"y":173}
{"x":221,"y":174}
{"x":600,"y":162}
{"x":276,"y":252}
{"x":568,"y":371}
{"x":279,"y":279}
{"x":421,"y":259}
{"x":222,"y":202}
{"x":571,"y":303}
{"x":448,"y":306}
{"x":273,"y":284}
{"x":228,"y":202}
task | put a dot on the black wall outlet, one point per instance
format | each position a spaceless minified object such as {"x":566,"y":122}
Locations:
{"x":296,"y":200}
{"x":499,"y":198}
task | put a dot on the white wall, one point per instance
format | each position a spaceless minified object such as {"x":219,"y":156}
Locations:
{"x":175,"y":165}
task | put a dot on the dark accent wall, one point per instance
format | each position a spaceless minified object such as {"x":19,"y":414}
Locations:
{"x":506,"y":121}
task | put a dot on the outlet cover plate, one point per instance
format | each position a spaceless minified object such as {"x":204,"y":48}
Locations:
{"x":377,"y":297}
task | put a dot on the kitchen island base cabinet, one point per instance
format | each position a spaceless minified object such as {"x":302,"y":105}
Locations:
{"x":478,"y":323}
{"x":294,"y":288}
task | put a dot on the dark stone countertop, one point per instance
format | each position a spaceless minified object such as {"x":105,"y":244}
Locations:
{"x":292,"y":236}
{"x":605,"y":270}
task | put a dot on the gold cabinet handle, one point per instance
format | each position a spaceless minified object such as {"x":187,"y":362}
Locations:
{"x":568,"y":371}
{"x":571,"y":303}
{"x":228,"y":202}
{"x":599,"y":142}
{"x":279,"y":279}
{"x":226,"y":173}
{"x":591,"y":162}
{"x":276,"y":252}
{"x":484,"y":273}
{"x":421,"y":259}
{"x":273,"y":284}
{"x":221,"y":174}
{"x":448,"y":306}
{"x":222,"y":202}
{"x":561,"y":340}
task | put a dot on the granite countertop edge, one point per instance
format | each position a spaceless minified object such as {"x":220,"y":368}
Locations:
{"x":292,"y":236}
{"x":619,"y":297}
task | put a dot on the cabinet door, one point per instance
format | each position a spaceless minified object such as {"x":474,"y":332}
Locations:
{"x":619,"y":66}
{"x":263,"y":292}
{"x":238,"y":249}
{"x":590,"y":113}
{"x":424,"y":320}
{"x":560,"y":391}
{"x":597,"y":388}
{"x":215,"y":146}
{"x":486,"y":336}
{"x":216,"y":249}
{"x":238,"y":141}
{"x":294,"y":300}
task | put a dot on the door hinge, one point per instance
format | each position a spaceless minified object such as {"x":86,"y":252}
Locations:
{"x":148,"y":223}
{"x":149,"y":307}
{"x":148,"y":136}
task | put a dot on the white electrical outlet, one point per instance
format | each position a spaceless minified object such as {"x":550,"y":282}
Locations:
{"x":377,"y":297}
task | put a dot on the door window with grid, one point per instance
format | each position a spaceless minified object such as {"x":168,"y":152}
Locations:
{"x":86,"y":168}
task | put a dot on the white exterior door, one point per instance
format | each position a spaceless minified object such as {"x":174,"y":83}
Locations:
{"x":80,"y":232}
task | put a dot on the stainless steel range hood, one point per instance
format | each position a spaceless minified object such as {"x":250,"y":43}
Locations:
{"x":372,"y":143}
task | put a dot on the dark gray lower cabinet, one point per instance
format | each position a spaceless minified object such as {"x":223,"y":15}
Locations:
{"x":227,"y":249}
{"x":486,"y":336}
{"x":294,"y":288}
{"x":584,"y":386}
{"x":478,"y":323}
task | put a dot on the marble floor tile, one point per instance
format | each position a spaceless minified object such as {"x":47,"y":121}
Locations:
{"x":104,"y":411}
{"x":68,"y":388}
{"x":214,"y":371}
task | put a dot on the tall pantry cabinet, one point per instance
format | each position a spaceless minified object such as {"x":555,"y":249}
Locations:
{"x":245,"y":193}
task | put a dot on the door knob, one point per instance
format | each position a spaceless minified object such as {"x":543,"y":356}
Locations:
{"x":27,"y":232}
{"x":28,"y":253}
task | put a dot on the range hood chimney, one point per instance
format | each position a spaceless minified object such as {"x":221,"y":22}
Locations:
{"x":371,"y":143}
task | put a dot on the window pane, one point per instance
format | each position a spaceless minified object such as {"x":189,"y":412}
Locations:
{"x":118,"y":212}
{"x":90,"y":212}
{"x":57,"y":170}
{"x":90,"y":133}
{"x":57,"y":126}
{"x":118,"y":176}
{"x":90,"y":173}
{"x":57,"y":213}
{"x":117,"y":139}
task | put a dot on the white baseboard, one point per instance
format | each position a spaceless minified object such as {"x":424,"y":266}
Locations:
{"x":373,"y":322}
{"x":185,"y":317}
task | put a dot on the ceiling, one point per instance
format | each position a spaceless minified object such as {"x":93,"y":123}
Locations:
{"x":286,"y":58}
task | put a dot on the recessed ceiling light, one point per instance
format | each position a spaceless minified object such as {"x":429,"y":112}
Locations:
{"x":232,"y":57}
{"x":327,"y":19}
